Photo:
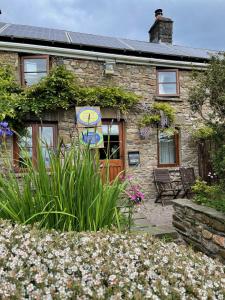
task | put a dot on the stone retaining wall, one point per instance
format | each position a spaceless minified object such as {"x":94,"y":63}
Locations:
{"x":200,"y":226}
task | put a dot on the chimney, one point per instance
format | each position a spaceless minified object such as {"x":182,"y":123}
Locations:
{"x":162,"y":29}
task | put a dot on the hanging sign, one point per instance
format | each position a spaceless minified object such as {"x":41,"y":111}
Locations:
{"x":88,"y":116}
{"x":89,"y":124}
{"x":91,"y":137}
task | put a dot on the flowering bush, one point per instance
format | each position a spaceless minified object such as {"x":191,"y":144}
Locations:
{"x":133,"y":190}
{"x":104,"y":265}
{"x":209,"y":195}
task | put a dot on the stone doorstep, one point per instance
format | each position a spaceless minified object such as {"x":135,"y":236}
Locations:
{"x":162,"y":231}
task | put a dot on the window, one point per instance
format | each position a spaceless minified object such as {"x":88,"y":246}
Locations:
{"x":168,"y":150}
{"x":28,"y":143}
{"x":167,"y":83}
{"x":34,"y":68}
{"x":111,"y":136}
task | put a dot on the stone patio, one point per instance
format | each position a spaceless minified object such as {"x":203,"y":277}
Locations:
{"x":154,"y":218}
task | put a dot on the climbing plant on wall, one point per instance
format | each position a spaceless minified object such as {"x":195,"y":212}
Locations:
{"x":60,"y":89}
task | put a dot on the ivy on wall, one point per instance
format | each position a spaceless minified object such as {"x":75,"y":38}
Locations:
{"x":59,"y":89}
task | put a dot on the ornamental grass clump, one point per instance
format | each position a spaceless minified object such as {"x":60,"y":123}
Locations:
{"x":44,"y":264}
{"x":67,"y":194}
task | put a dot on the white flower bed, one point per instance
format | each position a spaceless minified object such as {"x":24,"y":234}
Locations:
{"x":50,"y":265}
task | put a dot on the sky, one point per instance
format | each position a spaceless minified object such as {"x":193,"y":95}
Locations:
{"x":197,"y":23}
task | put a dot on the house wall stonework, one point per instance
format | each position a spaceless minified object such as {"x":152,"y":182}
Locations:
{"x":142,"y":81}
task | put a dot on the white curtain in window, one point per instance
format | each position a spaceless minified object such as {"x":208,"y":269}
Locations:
{"x":167,"y":151}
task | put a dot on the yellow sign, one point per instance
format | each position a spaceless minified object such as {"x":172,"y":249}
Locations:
{"x":88,"y":116}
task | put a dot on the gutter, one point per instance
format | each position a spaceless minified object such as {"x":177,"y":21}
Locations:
{"x":99,"y":56}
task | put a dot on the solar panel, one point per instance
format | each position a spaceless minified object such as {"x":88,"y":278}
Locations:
{"x":97,"y":41}
{"x":32,"y":32}
{"x":194,"y":52}
{"x":2,"y":25}
{"x":47,"y":34}
{"x":149,"y":47}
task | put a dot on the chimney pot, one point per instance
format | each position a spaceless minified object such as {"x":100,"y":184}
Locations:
{"x":158,"y":12}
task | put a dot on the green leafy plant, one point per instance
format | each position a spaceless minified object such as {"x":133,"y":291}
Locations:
{"x":203,"y":133}
{"x":207,"y":98}
{"x":167,"y":109}
{"x":209,"y":195}
{"x":149,"y":120}
{"x":60,"y":89}
{"x":154,"y":116}
{"x":67,"y":195}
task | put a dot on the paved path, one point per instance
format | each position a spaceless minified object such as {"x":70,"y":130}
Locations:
{"x":154,"y":218}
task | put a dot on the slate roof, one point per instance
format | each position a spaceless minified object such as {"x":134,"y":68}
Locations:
{"x":68,"y":39}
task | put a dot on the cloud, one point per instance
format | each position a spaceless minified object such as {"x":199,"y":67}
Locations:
{"x":197,"y":23}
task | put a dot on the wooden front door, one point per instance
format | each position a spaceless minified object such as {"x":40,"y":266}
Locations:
{"x":113,"y":133}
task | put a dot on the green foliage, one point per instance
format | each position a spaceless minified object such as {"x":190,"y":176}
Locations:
{"x":204,"y":132}
{"x":218,"y":158}
{"x":209,"y":195}
{"x":168,"y":110}
{"x":9,"y":93}
{"x":72,"y":196}
{"x":153,"y":118}
{"x":207,"y":98}
{"x":210,"y":89}
{"x":113,"y":97}
{"x":148,"y":120}
{"x":59,"y":89}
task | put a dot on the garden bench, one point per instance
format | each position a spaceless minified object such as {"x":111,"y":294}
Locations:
{"x":164,"y":185}
{"x":188,"y":180}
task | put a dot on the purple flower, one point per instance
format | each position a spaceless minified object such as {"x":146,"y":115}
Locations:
{"x":5,"y":130}
{"x":4,"y":124}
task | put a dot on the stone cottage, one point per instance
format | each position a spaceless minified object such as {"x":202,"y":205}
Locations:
{"x":156,"y":70}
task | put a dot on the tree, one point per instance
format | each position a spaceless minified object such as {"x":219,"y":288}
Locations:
{"x":209,"y":90}
{"x":207,"y":98}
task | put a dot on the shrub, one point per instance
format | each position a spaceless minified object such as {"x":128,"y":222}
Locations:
{"x":104,"y":265}
{"x":67,"y":195}
{"x":209,"y":195}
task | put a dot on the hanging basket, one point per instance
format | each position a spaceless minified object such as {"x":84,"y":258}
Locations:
{"x":145,"y":132}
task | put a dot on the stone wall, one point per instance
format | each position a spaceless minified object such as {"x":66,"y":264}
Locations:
{"x":200,"y":226}
{"x":142,"y":81}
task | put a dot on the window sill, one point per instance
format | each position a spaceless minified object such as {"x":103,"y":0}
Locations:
{"x":168,"y":98}
{"x":172,"y":168}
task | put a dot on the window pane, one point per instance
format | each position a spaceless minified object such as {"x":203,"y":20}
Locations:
{"x":167,"y":89}
{"x":167,"y":149}
{"x":32,"y":78}
{"x":110,"y":129}
{"x":167,"y":77}
{"x":111,"y":148}
{"x":46,"y":135}
{"x":26,"y":139}
{"x":35,"y":65}
{"x":25,"y":147}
